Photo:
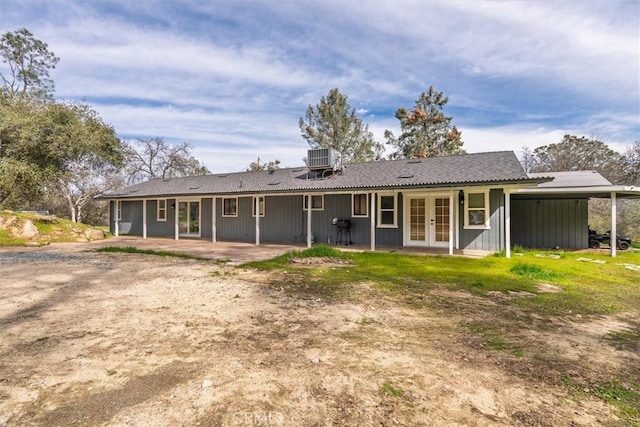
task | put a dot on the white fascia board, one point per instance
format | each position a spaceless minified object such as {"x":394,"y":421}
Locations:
{"x":622,"y":189}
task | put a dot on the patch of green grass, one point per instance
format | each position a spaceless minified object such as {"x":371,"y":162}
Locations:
{"x":134,"y":250}
{"x":388,"y":389}
{"x":625,"y":397}
{"x":319,"y":251}
{"x":6,"y":239}
{"x":533,"y":272}
{"x":587,"y":287}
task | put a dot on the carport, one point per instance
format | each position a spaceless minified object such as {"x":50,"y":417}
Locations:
{"x":566,"y":197}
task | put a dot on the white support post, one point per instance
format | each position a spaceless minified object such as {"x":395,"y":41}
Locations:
{"x":214,"y":236}
{"x":308,"y":196}
{"x":116,"y":228}
{"x":507,"y":222}
{"x":372,"y":234}
{"x":614,"y":224}
{"x":456,"y":216}
{"x":176,"y":211}
{"x":257,"y":206}
{"x":451,"y":219}
{"x":144,"y":219}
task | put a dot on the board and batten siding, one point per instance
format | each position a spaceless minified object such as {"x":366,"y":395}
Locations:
{"x":491,"y":239}
{"x":550,"y":223}
{"x":160,"y":228}
{"x":131,"y":220}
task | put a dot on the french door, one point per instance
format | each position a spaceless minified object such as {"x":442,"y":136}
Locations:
{"x":428,"y":221}
{"x":189,"y":218}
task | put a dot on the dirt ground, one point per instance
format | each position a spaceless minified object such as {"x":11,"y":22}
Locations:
{"x":133,"y":340}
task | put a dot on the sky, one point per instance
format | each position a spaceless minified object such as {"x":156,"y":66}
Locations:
{"x":233,"y":77}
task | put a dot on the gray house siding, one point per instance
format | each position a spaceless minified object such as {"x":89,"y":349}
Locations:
{"x":391,"y":236}
{"x":131,"y":217}
{"x":283,"y":220}
{"x":160,"y":228}
{"x":487,"y":239}
{"x":206,"y":204}
{"x":550,"y":223}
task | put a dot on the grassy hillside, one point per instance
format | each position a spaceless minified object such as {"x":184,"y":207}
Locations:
{"x":32,"y":229}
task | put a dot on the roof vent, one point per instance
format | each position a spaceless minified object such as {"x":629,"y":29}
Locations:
{"x":415,"y":161}
{"x":194,"y":188}
{"x":275,"y":183}
{"x":322,"y":158}
{"x":406,"y":175}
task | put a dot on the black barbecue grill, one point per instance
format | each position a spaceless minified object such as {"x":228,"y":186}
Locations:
{"x":344,"y":231}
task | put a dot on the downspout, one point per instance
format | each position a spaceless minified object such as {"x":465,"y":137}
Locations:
{"x":613,"y":241}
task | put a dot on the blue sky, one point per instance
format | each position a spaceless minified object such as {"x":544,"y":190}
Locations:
{"x":232,"y":78}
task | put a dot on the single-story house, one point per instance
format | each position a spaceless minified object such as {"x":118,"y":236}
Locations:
{"x":482,"y":201}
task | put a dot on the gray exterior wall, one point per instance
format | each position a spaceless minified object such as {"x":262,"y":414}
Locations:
{"x":131,"y":219}
{"x":285,"y":220}
{"x":205,"y":218}
{"x":550,"y":223}
{"x":160,"y":228}
{"x":491,"y":239}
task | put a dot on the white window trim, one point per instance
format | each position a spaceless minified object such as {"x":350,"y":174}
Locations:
{"x":253,"y":206}
{"x":158,"y":209}
{"x":380,"y":210}
{"x":223,"y":203}
{"x":304,"y":202}
{"x":366,"y":214}
{"x":119,"y":210}
{"x":484,"y":226}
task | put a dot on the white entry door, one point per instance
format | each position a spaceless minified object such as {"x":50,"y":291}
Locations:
{"x":427,"y":221}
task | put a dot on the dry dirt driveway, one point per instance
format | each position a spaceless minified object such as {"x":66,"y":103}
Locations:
{"x":133,"y":340}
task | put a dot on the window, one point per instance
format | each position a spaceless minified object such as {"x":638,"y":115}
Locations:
{"x":360,"y":205}
{"x":260,"y":205}
{"x":317,"y":202}
{"x":387,"y":212}
{"x":162,"y":210}
{"x":230,"y":206}
{"x":118,"y":210}
{"x":476,"y":209}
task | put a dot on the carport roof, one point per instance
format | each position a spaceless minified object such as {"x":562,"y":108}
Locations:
{"x":493,"y":168}
{"x":578,"y":184}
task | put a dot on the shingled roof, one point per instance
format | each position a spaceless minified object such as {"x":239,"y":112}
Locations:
{"x":500,"y":167}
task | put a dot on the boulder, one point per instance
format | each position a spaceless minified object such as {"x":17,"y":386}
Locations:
{"x":94,"y":234}
{"x":29,"y":231}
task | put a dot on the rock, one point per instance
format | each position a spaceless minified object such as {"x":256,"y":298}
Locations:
{"x":315,"y":360}
{"x":8,"y":222}
{"x":33,"y":244}
{"x":29,"y":230}
{"x":207,"y":383}
{"x":94,"y":234}
{"x":49,"y":219}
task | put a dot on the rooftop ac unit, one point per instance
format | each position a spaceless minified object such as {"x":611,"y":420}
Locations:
{"x":322,"y":158}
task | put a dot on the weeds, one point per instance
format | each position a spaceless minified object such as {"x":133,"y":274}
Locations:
{"x":389,"y":389}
